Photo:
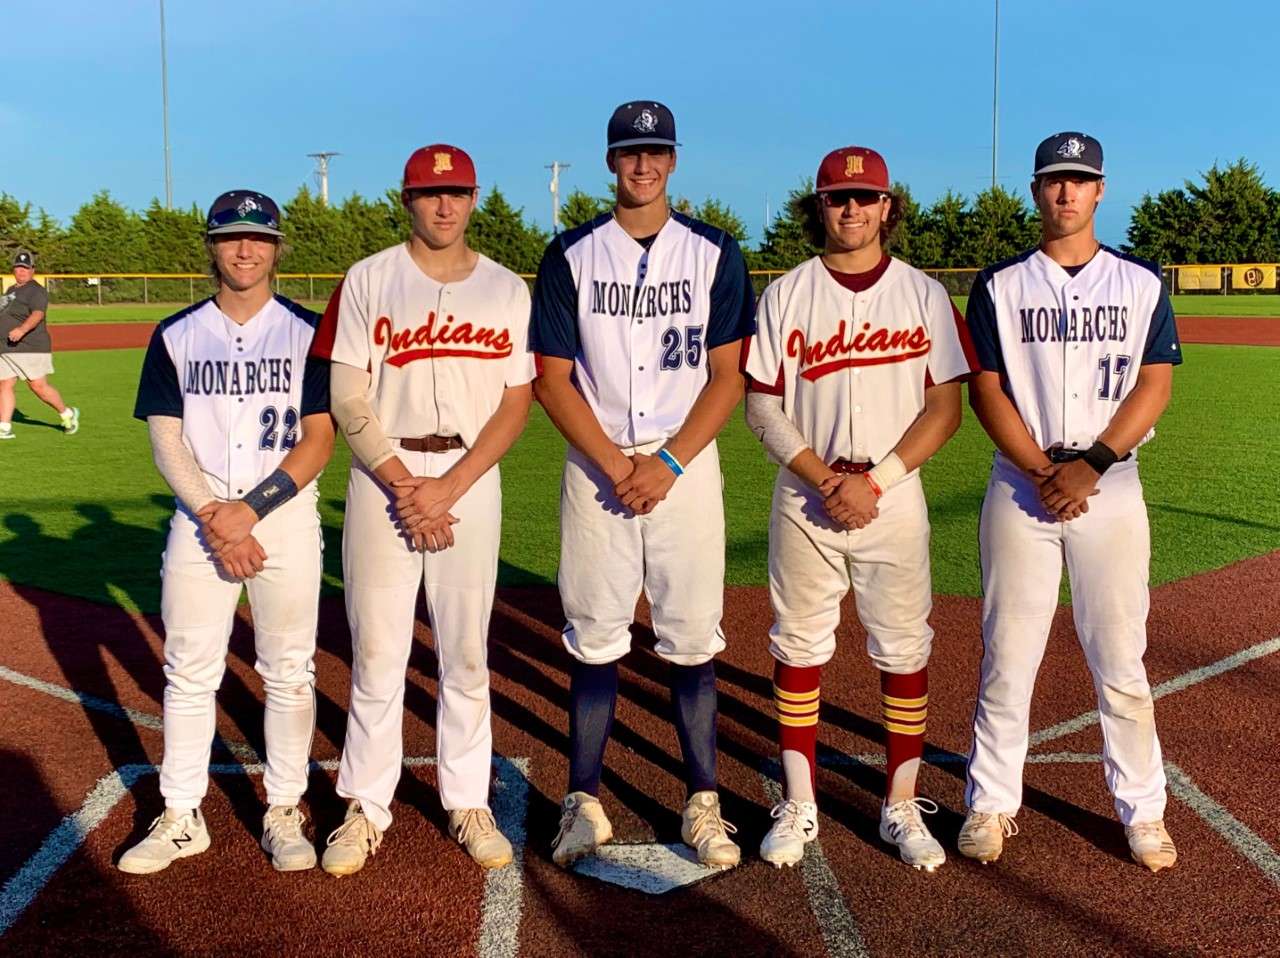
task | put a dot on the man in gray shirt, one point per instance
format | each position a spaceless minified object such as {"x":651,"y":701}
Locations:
{"x":26,"y":351}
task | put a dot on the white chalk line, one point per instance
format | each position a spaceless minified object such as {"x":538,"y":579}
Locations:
{"x":1176,"y":684}
{"x":503,"y":901}
{"x":1238,"y":835}
{"x":836,"y":924}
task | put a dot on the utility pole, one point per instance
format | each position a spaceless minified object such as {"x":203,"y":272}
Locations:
{"x":995,"y":98}
{"x":164,"y":100}
{"x":555,"y":166}
{"x":322,"y":173}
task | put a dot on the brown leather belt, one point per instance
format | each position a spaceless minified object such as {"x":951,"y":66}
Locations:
{"x":433,"y":443}
{"x":1058,"y":454}
{"x":850,"y":468}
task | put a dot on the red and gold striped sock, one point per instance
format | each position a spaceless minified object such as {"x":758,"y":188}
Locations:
{"x":904,"y":701}
{"x":796,"y":692}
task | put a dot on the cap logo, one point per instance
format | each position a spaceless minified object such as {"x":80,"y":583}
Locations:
{"x":247,"y":206}
{"x":853,"y":166}
{"x":646,"y":122}
{"x":1073,"y":149}
{"x":443,"y":163}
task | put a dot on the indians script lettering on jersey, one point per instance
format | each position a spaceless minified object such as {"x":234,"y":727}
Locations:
{"x":852,"y":367}
{"x":1068,"y":345}
{"x":439,"y":355}
{"x":236,"y":388}
{"x":638,"y":320}
{"x":429,"y":341}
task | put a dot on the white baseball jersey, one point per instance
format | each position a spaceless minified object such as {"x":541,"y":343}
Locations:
{"x":439,"y":354}
{"x":852,"y":367}
{"x":1068,"y":344}
{"x":637,"y":320}
{"x":240,"y":391}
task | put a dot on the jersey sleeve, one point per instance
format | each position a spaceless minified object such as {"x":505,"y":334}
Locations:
{"x":520,"y":365}
{"x":159,"y":391}
{"x":553,"y":321}
{"x":315,"y":386}
{"x":1162,"y":337}
{"x":762,"y":358}
{"x":343,"y":333}
{"x":952,"y":355}
{"x":37,"y":298}
{"x":733,"y":305}
{"x":980,"y":318}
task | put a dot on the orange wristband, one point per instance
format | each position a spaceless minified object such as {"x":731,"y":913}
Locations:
{"x":872,"y":483}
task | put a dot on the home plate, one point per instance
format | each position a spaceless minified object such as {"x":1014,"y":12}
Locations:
{"x":650,"y":867}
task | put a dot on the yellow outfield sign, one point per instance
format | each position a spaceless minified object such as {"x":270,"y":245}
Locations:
{"x":1199,"y":277}
{"x":1253,"y":277}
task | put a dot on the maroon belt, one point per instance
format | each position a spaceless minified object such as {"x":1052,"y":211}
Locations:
{"x":850,"y":468}
{"x":433,"y":443}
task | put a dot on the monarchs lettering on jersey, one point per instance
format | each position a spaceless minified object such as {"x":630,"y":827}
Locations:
{"x":1096,"y":324}
{"x":223,"y":377}
{"x":671,"y":298}
{"x":867,"y":347}
{"x":430,"y":341}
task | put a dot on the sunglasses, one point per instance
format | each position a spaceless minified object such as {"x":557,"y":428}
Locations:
{"x":257,"y":216}
{"x":840,"y":198}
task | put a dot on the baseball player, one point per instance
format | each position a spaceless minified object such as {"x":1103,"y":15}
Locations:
{"x":239,"y":425}
{"x":26,"y":352}
{"x":855,"y":373}
{"x":638,"y":322}
{"x":430,"y":382}
{"x":1077,"y":345}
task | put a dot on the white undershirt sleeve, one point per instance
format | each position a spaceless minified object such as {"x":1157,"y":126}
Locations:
{"x":176,"y":462}
{"x":765,"y":418}
{"x":349,"y":403}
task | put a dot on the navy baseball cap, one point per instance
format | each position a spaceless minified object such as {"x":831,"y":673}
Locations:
{"x":243,"y":211}
{"x":1069,"y":153}
{"x":640,"y":123}
{"x":23,"y":258}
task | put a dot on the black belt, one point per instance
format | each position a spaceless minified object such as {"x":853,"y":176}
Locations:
{"x":432,"y":443}
{"x":1060,"y":454}
{"x":849,"y":468}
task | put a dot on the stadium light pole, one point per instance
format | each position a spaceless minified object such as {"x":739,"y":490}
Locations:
{"x":995,"y":97}
{"x":556,"y":167}
{"x":164,"y":103}
{"x":322,"y":173}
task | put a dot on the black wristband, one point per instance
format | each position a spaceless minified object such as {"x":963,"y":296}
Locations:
{"x":271,"y":493}
{"x":1100,"y":457}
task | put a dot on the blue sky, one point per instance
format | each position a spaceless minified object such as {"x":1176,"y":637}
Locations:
{"x":760,"y":93}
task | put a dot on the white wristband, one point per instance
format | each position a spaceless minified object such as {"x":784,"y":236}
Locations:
{"x":887,"y":471}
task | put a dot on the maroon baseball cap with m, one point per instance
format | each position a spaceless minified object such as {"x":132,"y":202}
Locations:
{"x":439,"y":165}
{"x":853,"y":168}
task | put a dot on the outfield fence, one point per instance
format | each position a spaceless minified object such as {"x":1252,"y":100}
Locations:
{"x":104,"y":288}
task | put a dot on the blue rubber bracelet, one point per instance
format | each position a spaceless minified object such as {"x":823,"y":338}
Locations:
{"x":671,"y":461}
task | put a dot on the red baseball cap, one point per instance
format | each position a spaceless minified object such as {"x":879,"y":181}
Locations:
{"x":439,"y":165}
{"x":853,"y":168}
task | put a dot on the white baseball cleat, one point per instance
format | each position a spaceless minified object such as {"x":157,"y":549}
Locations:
{"x":476,"y":831}
{"x":983,"y":833}
{"x":584,"y":827}
{"x":707,"y":833}
{"x":70,"y":420}
{"x":901,"y":825}
{"x":6,"y":432}
{"x":283,"y":840}
{"x":1151,"y":845}
{"x":175,"y":834}
{"x":795,"y":825}
{"x":351,"y":843}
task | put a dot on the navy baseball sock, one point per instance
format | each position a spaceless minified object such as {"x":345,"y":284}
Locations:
{"x":593,"y":693}
{"x":693,"y":695}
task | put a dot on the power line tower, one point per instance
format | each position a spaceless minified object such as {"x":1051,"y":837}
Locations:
{"x":322,"y":173}
{"x":555,"y":166}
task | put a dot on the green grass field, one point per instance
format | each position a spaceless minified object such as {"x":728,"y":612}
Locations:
{"x":86,"y":514}
{"x":1188,"y":305}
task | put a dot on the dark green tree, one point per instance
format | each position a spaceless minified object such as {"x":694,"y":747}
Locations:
{"x":579,"y":207}
{"x":786,"y":243}
{"x":498,"y":230}
{"x":1000,"y":224}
